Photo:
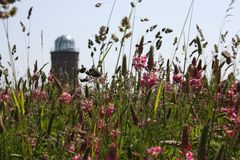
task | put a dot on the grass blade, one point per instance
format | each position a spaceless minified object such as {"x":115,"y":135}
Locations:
{"x":158,"y":98}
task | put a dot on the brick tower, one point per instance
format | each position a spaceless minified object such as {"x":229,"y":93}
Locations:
{"x":64,"y":58}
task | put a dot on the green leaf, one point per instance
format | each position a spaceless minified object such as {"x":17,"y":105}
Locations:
{"x":22,"y":101}
{"x":16,"y":101}
{"x":158,"y":98}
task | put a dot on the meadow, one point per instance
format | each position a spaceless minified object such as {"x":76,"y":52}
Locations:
{"x":149,"y":109}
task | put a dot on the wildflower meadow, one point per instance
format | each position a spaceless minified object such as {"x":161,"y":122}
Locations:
{"x":150,"y":108}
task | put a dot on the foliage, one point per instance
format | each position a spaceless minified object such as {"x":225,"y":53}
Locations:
{"x":152,"y":110}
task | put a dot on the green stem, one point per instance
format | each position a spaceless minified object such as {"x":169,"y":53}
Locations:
{"x":188,"y":37}
{"x":104,"y":55}
{"x":181,"y":34}
{"x":131,"y":41}
{"x":120,"y":50}
{"x":122,"y":42}
{"x":5,"y":26}
{"x":110,"y":16}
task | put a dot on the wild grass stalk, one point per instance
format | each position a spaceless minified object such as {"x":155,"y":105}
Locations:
{"x":10,"y":53}
{"x":189,"y":15}
{"x":151,"y":111}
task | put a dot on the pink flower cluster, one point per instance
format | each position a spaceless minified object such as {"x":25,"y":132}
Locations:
{"x":50,"y":78}
{"x":148,"y":80}
{"x":39,"y":95}
{"x":230,"y":93}
{"x":4,"y":97}
{"x":101,"y":112}
{"x":101,"y":124}
{"x":102,"y":79}
{"x":114,"y":133}
{"x":87,"y":105}
{"x":231,"y":112}
{"x":79,"y":157}
{"x":230,"y":107}
{"x":32,"y":141}
{"x":177,"y":78}
{"x":154,"y":151}
{"x":230,"y":132}
{"x":139,"y":62}
{"x":71,"y":148}
{"x":189,"y":156}
{"x":110,"y":109}
{"x":106,"y":111}
{"x":35,"y":77}
{"x":65,"y":98}
{"x":195,"y":83}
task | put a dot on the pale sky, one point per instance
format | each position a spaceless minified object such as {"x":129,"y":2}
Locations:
{"x":81,"y":19}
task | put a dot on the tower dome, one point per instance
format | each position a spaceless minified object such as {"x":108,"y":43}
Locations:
{"x":64,"y":43}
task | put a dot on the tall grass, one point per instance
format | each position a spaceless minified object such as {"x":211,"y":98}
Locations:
{"x":148,"y":110}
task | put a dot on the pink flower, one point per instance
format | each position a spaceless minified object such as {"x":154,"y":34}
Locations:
{"x":43,"y":95}
{"x":77,"y":157}
{"x":139,"y":62}
{"x":101,"y":112}
{"x":197,"y":74}
{"x":77,"y":126}
{"x":195,"y":83}
{"x":39,"y":95}
{"x":35,"y":77}
{"x":32,"y":141}
{"x":4,"y":97}
{"x":177,"y":78}
{"x":148,"y":80}
{"x":218,"y":96}
{"x":227,"y":110}
{"x":169,"y":88}
{"x":50,"y":78}
{"x":35,"y":93}
{"x":71,"y":148}
{"x":114,"y":133}
{"x":229,"y":131}
{"x":86,"y":105}
{"x":65,"y":97}
{"x":110,"y":109}
{"x":154,"y":151}
{"x":102,"y":79}
{"x":189,"y":156}
{"x":101,"y":124}
{"x":106,"y":96}
{"x":230,"y":93}
{"x":45,"y":156}
{"x":234,"y":86}
{"x":233,"y":115}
